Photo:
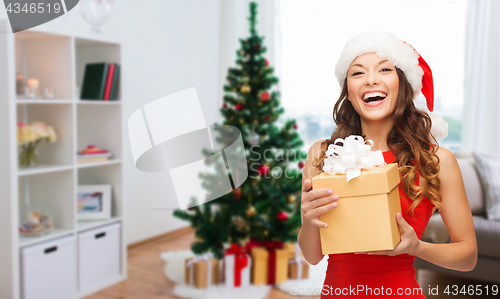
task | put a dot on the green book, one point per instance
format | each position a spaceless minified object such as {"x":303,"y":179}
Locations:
{"x":114,"y":84}
{"x":94,"y":81}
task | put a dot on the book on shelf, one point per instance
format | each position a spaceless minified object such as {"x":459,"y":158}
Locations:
{"x":92,"y":154}
{"x":109,"y":81}
{"x":100,"y":81}
{"x":93,"y":158}
{"x":114,"y":84}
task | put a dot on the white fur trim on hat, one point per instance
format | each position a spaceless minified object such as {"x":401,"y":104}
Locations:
{"x":385,"y":45}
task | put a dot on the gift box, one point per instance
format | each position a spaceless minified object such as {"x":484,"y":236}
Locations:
{"x":237,"y":265}
{"x":365,"y":217}
{"x":298,"y":268}
{"x":270,"y":262}
{"x":202,"y":271}
{"x":291,"y":247}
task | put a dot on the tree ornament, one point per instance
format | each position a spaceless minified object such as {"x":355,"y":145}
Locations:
{"x":301,"y":164}
{"x":267,"y":62}
{"x":263,"y":170}
{"x":237,"y":193}
{"x":255,"y":121}
{"x":245,"y":88}
{"x":257,"y":47}
{"x":240,"y":223}
{"x":266,"y":232}
{"x":238,"y":106}
{"x":224,"y":105}
{"x":253,"y":138}
{"x":266,"y":118}
{"x":291,"y":198}
{"x":250,"y":212}
{"x":242,"y":52}
{"x":281,"y":216}
{"x":242,"y":121}
{"x":295,"y":126}
{"x":265,"y":96}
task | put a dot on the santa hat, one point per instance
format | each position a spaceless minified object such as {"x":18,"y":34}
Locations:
{"x":404,"y":57}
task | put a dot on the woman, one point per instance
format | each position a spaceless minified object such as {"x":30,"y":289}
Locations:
{"x":380,"y":76}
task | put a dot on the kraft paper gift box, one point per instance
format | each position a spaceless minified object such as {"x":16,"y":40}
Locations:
{"x":237,"y":265}
{"x":201,"y":271}
{"x":262,"y":265}
{"x":291,"y":250}
{"x":365,"y":217}
{"x":298,"y":271}
{"x":298,"y":268}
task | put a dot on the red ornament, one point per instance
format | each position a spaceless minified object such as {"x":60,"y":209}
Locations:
{"x":281,"y":216}
{"x":237,"y":193}
{"x":238,"y":107}
{"x":263,"y":170}
{"x":267,"y":62}
{"x":295,"y":126}
{"x":301,"y":164}
{"x":257,"y":47}
{"x":265,"y":96}
{"x":224,"y":105}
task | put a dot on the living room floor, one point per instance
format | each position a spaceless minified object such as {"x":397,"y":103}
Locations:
{"x":146,"y":279}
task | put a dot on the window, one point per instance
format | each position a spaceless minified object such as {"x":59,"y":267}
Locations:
{"x":314,"y":32}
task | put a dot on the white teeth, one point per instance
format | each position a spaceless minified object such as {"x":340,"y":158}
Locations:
{"x":374,"y":94}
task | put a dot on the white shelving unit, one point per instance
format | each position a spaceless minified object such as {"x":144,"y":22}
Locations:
{"x":57,"y":60}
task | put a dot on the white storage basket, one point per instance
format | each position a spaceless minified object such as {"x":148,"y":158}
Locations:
{"x":48,"y":270}
{"x":99,"y":255}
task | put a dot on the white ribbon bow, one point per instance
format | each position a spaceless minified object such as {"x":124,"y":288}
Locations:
{"x":202,"y":257}
{"x":353,"y":156}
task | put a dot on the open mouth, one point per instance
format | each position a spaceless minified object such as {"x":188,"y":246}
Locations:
{"x":374,"y":97}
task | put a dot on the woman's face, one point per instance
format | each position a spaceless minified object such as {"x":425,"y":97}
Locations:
{"x":372,"y":86}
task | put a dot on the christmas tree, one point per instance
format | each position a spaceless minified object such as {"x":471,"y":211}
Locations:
{"x":265,"y":207}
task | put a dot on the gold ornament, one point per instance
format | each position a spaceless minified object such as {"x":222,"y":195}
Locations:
{"x":241,"y":121}
{"x":266,"y":233}
{"x":211,"y":219}
{"x":250,"y":212}
{"x":246,"y":88}
{"x":255,"y":121}
{"x":291,"y":198}
{"x":242,"y":52}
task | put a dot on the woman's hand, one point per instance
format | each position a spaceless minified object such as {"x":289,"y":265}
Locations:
{"x":317,"y":202}
{"x":409,"y":242}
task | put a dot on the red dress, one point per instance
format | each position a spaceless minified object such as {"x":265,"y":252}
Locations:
{"x":365,"y":276}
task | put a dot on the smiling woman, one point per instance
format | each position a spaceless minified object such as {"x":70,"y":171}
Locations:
{"x":381,"y":76}
{"x":373,"y":82}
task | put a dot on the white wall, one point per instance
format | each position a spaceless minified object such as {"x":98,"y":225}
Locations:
{"x":168,"y":46}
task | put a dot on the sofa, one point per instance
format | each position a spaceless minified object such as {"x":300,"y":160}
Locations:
{"x":487,"y":231}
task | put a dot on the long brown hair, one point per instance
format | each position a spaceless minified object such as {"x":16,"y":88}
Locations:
{"x":410,"y":137}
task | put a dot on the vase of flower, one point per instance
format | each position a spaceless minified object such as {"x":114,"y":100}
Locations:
{"x":29,"y":135}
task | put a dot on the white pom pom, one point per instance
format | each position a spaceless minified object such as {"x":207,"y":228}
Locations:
{"x":439,"y":127}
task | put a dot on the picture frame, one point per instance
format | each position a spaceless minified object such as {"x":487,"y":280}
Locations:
{"x":93,"y":202}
